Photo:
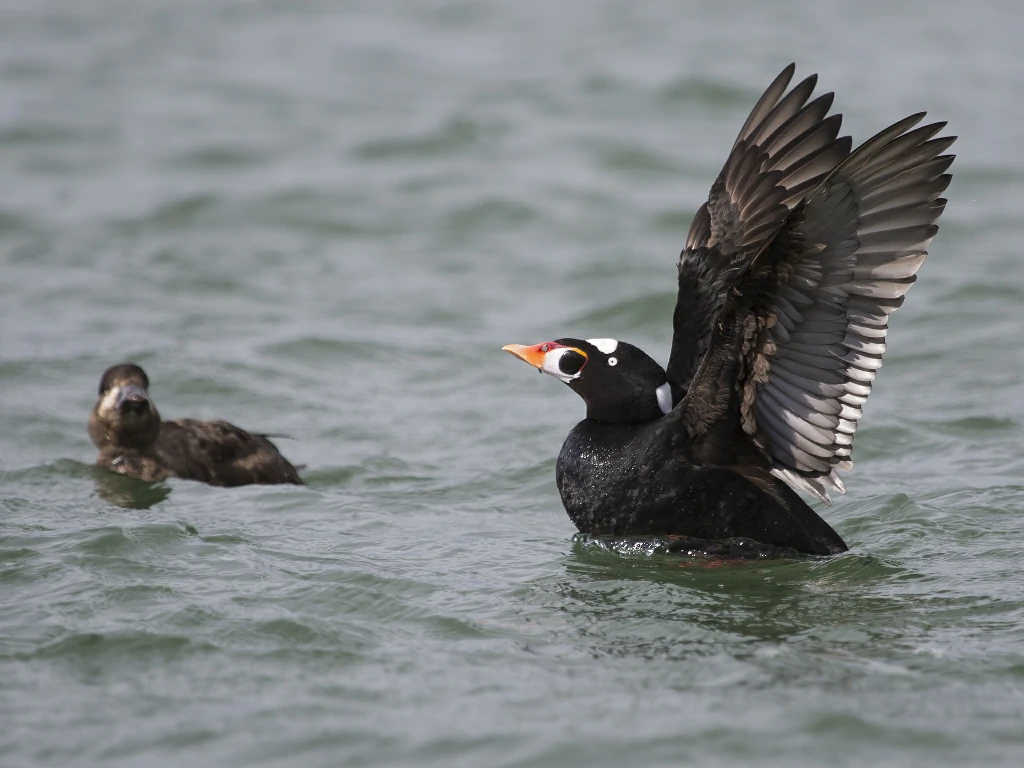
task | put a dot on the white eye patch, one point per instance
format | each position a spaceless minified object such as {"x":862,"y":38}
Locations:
{"x":108,"y":403}
{"x":607,"y":346}
{"x":613,"y":361}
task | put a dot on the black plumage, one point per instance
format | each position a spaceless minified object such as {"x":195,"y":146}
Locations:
{"x":786,"y":281}
{"x":132,"y":440}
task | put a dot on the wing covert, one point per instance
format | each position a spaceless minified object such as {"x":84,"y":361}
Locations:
{"x":787,"y":145}
{"x":800,"y":339}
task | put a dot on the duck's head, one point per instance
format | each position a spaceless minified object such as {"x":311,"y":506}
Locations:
{"x":620,"y":383}
{"x":124,"y":415}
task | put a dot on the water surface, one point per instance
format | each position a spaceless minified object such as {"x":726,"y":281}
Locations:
{"x":324,"y":219}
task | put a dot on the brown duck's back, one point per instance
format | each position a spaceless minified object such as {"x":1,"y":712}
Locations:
{"x":220,"y":453}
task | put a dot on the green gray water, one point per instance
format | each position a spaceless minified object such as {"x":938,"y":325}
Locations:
{"x":325,"y":219}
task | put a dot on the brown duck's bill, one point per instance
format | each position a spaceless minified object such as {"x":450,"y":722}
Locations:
{"x":131,"y":398}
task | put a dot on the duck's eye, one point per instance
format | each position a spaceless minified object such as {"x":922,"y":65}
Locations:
{"x":613,"y":361}
{"x":544,"y":348}
{"x":571,"y":362}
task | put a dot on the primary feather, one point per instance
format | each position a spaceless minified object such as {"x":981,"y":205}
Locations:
{"x":799,"y":312}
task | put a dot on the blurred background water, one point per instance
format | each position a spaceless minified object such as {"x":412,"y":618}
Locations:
{"x":324,"y":219}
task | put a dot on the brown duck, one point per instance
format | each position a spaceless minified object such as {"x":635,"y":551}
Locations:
{"x":134,"y":441}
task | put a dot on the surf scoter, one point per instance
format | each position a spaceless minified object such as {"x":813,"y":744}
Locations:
{"x":133,"y":440}
{"x":786,"y":282}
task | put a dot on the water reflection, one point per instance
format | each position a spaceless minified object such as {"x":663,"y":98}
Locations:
{"x":645,"y":600}
{"x":128,"y":492}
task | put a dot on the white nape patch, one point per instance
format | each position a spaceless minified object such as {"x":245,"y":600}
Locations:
{"x":664,"y":395}
{"x":550,"y":365}
{"x":604,"y":345}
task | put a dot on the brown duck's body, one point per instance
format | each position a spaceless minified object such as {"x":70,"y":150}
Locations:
{"x":133,"y":441}
{"x":212,"y":452}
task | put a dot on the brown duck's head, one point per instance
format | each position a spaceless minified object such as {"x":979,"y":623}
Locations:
{"x":124,"y":415}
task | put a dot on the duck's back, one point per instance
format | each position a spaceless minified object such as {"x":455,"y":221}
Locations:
{"x":627,"y":480}
{"x":220,"y":453}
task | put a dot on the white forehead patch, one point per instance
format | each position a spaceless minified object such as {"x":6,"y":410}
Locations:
{"x":604,"y":345}
{"x":664,"y":395}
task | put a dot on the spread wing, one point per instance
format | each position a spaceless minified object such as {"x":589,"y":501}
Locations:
{"x":786,"y":147}
{"x":801,"y":336}
{"x":220,"y":453}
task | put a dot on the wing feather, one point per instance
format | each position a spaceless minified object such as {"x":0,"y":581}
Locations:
{"x":793,"y":353}
{"x":787,"y":145}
